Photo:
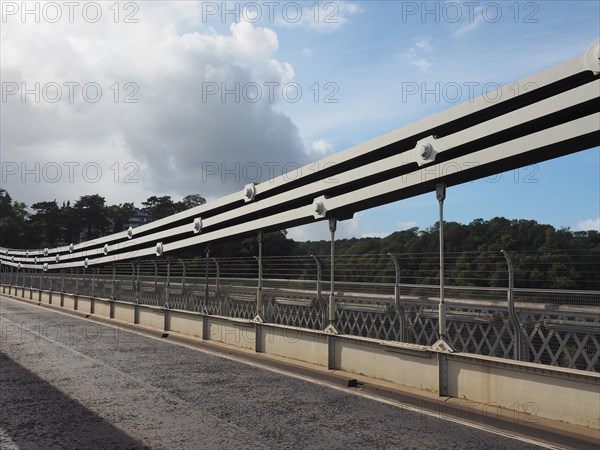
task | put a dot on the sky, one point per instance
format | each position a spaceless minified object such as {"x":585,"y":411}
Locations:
{"x":134,"y":99}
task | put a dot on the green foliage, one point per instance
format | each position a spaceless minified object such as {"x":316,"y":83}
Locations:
{"x":119,"y":215}
{"x":90,"y":211}
{"x":48,"y":225}
{"x":543,"y":256}
{"x":159,"y":207}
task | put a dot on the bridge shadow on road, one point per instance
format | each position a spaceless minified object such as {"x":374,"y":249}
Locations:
{"x":36,"y":415}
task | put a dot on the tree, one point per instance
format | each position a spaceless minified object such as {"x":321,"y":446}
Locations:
{"x":46,"y":223}
{"x":91,"y":215}
{"x":191,"y":201}
{"x":13,"y":222}
{"x":69,"y":223}
{"x":119,"y":215}
{"x":159,"y":207}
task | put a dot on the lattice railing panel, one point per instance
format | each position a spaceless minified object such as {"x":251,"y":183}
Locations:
{"x":295,"y":312}
{"x":565,"y":340}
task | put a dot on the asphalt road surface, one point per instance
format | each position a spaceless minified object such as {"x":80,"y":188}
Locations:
{"x":66,"y":383}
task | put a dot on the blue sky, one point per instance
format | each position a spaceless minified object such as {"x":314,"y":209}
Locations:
{"x":178,"y":138}
{"x":372,"y":56}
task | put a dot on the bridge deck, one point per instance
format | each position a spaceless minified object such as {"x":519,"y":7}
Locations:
{"x":71,"y":383}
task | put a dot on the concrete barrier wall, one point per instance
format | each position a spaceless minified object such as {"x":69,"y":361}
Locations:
{"x":187,"y":323}
{"x":45,"y":297}
{"x":295,"y":343}
{"x":124,"y":311}
{"x":68,"y":301}
{"x":152,"y":316}
{"x":84,"y":304}
{"x":240,"y":333}
{"x":417,"y":369}
{"x":101,"y":307}
{"x":530,"y":390}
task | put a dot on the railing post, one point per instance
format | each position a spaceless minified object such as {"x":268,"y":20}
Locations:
{"x":330,"y":328}
{"x":133,"y":284}
{"x":182,"y":273}
{"x":155,"y":275}
{"x":114,"y":280}
{"x":442,"y":345}
{"x":183,"y":293}
{"x":22,"y":282}
{"x":218,"y":286}
{"x":520,"y":350}
{"x":168,"y":283}
{"x":206,"y":293}
{"x":440,"y":191}
{"x":72,"y":284}
{"x":51,"y":286}
{"x":76,"y":290}
{"x":259,"y":294}
{"x":30,"y":278}
{"x":319,"y":301}
{"x":94,"y":281}
{"x":138,"y":287}
{"x":399,"y":308}
{"x":83,"y":280}
{"x":62,"y":287}
{"x":41,"y":286}
{"x":113,"y":291}
{"x":136,"y":295}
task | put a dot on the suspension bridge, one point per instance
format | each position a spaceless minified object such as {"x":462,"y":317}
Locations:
{"x":508,"y":347}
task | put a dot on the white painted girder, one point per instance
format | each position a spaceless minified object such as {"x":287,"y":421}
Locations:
{"x":116,"y":244}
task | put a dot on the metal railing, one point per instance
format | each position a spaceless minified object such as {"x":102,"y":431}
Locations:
{"x":547,"y":326}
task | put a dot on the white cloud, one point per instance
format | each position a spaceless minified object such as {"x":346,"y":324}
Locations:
{"x":346,"y":229}
{"x":320,"y":149}
{"x":177,"y":137}
{"x":423,"y":44}
{"x":415,"y":54}
{"x":589,"y":224}
{"x":421,"y":63}
{"x":318,"y":231}
{"x":469,"y":22}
